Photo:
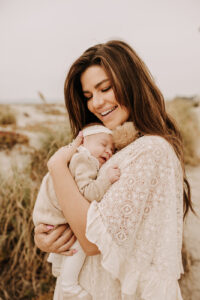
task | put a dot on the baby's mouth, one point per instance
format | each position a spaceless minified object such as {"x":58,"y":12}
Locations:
{"x":103,"y":159}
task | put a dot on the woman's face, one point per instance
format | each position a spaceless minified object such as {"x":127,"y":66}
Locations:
{"x":100,"y":97}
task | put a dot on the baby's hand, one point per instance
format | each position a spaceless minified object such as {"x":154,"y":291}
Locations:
{"x":113,"y":173}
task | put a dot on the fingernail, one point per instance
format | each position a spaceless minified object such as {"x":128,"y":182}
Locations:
{"x":80,"y":133}
{"x":74,"y":251}
{"x":50,"y":226}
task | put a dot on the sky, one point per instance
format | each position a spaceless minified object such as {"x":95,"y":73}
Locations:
{"x":40,"y":39}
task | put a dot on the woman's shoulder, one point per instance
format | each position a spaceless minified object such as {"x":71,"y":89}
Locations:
{"x":149,"y":143}
{"x":148,"y":146}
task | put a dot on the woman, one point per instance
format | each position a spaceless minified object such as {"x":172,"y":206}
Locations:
{"x":133,"y":237}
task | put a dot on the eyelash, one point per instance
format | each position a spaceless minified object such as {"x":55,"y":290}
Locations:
{"x":103,"y":91}
{"x":87,"y":99}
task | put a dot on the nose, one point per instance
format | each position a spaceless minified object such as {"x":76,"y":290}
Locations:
{"x":109,"y":152}
{"x":98,"y":101}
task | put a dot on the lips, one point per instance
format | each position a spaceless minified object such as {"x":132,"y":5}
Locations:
{"x":102,"y":159}
{"x":107,"y":112}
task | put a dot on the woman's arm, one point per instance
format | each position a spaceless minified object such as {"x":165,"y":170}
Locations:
{"x":72,"y":203}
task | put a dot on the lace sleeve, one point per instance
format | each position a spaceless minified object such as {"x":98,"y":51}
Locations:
{"x":131,"y":222}
{"x":136,"y":196}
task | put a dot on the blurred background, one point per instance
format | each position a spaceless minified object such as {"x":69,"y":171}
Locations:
{"x":39,"y":41}
{"x":41,"y":38}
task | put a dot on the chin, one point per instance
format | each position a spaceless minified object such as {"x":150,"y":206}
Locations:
{"x":113,"y":125}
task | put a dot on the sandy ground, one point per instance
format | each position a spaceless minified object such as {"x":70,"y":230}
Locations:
{"x":30,"y":115}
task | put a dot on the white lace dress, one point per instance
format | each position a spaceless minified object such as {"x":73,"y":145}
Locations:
{"x":137,"y":227}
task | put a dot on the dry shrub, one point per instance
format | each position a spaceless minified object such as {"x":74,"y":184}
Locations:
{"x":53,"y":140}
{"x":7,"y":115}
{"x":21,"y":263}
{"x":182,"y":110}
{"x":187,"y":280}
{"x":187,"y":259}
{"x":24,"y":272}
{"x":9,"y":138}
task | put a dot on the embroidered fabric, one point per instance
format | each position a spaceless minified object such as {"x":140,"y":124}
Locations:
{"x":138,"y":227}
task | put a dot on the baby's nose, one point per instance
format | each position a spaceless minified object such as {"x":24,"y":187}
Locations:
{"x":109,"y":152}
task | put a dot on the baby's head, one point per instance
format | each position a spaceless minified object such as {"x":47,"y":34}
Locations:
{"x":99,"y":142}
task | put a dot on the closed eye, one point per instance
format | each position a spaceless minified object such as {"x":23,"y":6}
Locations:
{"x":106,"y":89}
{"x":103,"y":91}
{"x":87,"y":98}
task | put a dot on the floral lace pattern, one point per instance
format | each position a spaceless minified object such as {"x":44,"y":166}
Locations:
{"x":138,"y":227}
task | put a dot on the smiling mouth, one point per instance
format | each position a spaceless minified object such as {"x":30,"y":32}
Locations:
{"x":107,"y":112}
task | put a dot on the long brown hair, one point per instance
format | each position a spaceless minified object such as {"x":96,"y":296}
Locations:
{"x":134,"y":88}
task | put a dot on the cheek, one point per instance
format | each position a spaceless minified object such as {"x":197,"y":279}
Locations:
{"x":100,"y":149}
{"x":125,"y":114}
{"x":112,"y":97}
{"x":89,"y":106}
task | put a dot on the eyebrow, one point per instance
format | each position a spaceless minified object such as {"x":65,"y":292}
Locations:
{"x":97,"y":85}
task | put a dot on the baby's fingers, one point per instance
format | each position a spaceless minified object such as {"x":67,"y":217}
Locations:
{"x":117,"y":171}
{"x":115,"y":166}
{"x":115,"y":178}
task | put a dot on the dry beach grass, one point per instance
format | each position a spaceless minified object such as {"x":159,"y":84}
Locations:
{"x":184,"y":113}
{"x":24,"y":273}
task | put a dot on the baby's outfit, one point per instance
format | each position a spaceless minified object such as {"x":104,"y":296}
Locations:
{"x":84,"y":168}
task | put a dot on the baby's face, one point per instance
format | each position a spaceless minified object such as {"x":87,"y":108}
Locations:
{"x":100,"y":146}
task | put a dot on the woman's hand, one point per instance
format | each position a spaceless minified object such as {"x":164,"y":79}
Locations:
{"x":64,"y":154}
{"x":57,"y":240}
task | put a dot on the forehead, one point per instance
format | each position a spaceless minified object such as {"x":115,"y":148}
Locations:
{"x":92,"y":76}
{"x":105,"y":136}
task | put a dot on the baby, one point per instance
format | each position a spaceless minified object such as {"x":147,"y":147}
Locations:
{"x":97,"y":148}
